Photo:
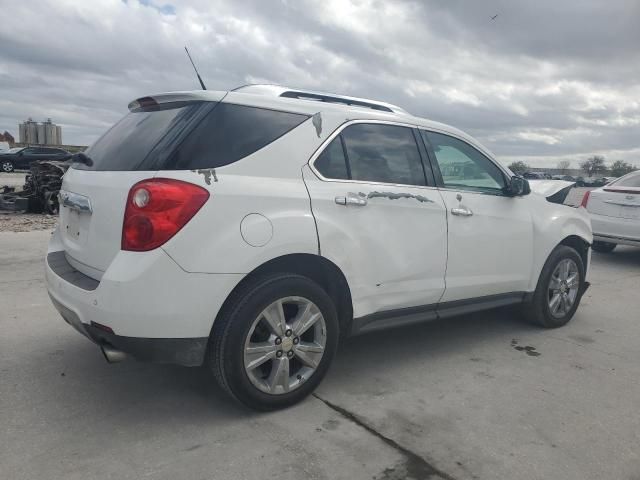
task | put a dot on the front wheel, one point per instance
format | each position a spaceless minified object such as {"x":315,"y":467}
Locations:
{"x":7,"y":166}
{"x":603,"y":247}
{"x":274,"y":343}
{"x":559,"y":289}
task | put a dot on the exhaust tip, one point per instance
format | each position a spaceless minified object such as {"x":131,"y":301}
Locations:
{"x":112,"y":355}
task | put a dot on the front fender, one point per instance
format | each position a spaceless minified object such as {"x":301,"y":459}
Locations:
{"x":552,"y":224}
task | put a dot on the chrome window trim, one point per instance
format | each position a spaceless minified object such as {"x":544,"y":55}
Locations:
{"x":346,"y":124}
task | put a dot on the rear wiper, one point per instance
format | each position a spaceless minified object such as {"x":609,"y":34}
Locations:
{"x":81,"y":158}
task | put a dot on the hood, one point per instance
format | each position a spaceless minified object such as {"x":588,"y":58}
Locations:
{"x":553,"y":190}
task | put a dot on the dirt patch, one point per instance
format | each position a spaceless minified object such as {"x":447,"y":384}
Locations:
{"x":26,"y":222}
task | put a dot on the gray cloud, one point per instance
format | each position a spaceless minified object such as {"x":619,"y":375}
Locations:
{"x":546,"y":80}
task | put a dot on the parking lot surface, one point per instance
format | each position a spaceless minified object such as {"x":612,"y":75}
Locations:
{"x":485,"y":396}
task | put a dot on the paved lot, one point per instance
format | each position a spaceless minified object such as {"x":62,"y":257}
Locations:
{"x":459,"y":399}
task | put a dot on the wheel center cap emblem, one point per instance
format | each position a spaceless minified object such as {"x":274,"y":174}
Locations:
{"x":287,"y":344}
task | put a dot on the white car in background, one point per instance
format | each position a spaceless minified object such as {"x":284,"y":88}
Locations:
{"x":615,"y":213}
{"x":251,"y":230}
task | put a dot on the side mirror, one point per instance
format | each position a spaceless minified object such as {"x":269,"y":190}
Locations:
{"x":518,"y":187}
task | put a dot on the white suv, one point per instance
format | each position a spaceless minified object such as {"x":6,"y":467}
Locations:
{"x":251,"y":230}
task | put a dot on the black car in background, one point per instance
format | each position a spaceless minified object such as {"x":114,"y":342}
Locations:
{"x":536,"y":175}
{"x":21,"y":158}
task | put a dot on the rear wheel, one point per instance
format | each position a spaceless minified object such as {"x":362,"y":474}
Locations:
{"x":274,"y":343}
{"x":559,"y":289}
{"x":603,"y":247}
{"x":7,"y":166}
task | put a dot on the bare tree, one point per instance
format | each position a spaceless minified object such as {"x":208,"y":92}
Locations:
{"x":563,"y":166}
{"x":518,"y":167}
{"x":620,"y":168}
{"x":593,"y":165}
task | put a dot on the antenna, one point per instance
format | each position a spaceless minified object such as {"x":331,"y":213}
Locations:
{"x":194,"y":67}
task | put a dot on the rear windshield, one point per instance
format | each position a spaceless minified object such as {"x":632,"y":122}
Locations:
{"x":186,"y":136}
{"x":629,"y":181}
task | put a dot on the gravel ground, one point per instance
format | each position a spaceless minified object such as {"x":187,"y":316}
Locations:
{"x":25,"y":222}
{"x":15,"y":179}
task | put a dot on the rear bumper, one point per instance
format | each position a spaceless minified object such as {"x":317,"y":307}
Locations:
{"x":625,"y":231}
{"x":599,"y":237}
{"x":155,"y":310}
{"x":188,"y":352}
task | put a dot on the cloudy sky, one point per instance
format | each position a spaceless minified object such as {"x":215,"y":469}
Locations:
{"x":544,"y":81}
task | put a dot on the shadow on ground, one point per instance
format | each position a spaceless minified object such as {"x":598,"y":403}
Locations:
{"x":193,"y":393}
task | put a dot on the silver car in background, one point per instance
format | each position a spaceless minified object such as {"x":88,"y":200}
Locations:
{"x":615,"y":213}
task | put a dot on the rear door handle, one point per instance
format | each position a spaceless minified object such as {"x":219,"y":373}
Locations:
{"x":352,"y":199}
{"x":462,"y":212}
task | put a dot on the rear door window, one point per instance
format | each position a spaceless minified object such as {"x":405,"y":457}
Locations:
{"x":383,"y":153}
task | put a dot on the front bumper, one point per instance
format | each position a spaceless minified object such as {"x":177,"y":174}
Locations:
{"x":153,"y":309}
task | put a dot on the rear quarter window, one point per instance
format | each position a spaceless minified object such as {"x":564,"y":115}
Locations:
{"x":231,"y":132}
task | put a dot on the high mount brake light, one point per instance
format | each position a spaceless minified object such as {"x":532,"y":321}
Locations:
{"x":157,"y":209}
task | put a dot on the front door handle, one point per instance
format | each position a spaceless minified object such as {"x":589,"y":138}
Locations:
{"x":352,"y":199}
{"x":462,"y":211}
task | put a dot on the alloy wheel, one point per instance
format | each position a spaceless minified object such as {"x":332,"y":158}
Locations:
{"x":285,"y":345}
{"x":563,"y":288}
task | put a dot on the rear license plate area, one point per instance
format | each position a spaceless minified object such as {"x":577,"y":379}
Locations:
{"x":73,"y":225}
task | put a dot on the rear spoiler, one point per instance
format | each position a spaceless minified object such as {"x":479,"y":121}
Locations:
{"x":176,"y":97}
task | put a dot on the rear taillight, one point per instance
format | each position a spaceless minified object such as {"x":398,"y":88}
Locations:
{"x":157,"y":209}
{"x":585,"y":199}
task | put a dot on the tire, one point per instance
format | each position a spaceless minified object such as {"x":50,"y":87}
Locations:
{"x":603,"y":247}
{"x":236,"y":326}
{"x":539,"y":311}
{"x":7,"y":166}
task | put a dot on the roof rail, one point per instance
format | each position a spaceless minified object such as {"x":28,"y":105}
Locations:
{"x":285,"y":92}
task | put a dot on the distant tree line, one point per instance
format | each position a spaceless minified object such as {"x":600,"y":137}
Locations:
{"x":591,"y":166}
